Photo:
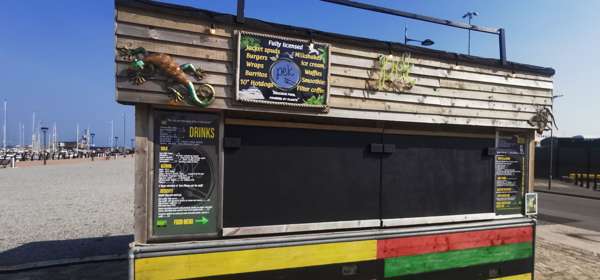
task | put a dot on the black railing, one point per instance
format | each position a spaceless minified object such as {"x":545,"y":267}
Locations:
{"x":490,"y":30}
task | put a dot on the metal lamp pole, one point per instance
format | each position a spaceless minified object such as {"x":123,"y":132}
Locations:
{"x":550,"y":169}
{"x":426,"y":42}
{"x":470,"y":16}
{"x":44,"y":130}
{"x":550,"y":165}
{"x":92,"y":145}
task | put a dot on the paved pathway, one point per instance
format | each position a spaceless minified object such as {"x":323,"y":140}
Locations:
{"x":566,"y":188}
{"x":568,"y":243}
{"x":555,"y":261}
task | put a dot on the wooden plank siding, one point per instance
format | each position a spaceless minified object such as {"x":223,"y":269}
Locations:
{"x":445,"y":92}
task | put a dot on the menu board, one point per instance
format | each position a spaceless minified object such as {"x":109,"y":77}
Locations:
{"x":275,"y":70}
{"x":509,"y":184}
{"x":509,"y":172}
{"x":185,"y":195}
{"x":510,"y":144}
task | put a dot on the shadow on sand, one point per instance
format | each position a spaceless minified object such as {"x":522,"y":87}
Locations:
{"x":44,"y":253}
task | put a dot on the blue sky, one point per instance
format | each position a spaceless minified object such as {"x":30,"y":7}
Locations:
{"x":57,"y":56}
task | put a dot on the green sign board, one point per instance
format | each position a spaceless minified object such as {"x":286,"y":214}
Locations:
{"x":509,"y":173}
{"x":185,"y":192}
{"x":282,"y":71}
{"x":509,"y":184}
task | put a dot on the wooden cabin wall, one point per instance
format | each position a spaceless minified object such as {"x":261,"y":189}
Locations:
{"x":445,"y":92}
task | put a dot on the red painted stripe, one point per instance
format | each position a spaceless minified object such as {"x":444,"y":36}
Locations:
{"x":407,"y":246}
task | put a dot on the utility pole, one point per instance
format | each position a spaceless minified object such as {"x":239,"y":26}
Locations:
{"x":87,"y":138}
{"x":54,"y":137}
{"x":112,"y":134}
{"x":20,"y":135}
{"x":39,"y":136}
{"x":124,"y":126}
{"x":4,"y":129}
{"x":77,"y":138}
{"x":33,"y":133}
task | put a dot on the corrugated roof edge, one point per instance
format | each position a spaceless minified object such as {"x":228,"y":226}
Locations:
{"x":282,"y":29}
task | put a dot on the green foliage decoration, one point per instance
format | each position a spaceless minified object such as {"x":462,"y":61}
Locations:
{"x":394,"y":73}
{"x":248,"y":41}
{"x":314,"y":100}
{"x":323,"y":55}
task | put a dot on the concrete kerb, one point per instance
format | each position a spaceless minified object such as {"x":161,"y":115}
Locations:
{"x":567,"y":194}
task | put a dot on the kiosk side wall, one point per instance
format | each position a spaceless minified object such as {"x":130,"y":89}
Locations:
{"x":446,"y":92}
{"x":301,"y":182}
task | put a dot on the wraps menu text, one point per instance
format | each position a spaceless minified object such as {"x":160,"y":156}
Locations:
{"x":274,"y":70}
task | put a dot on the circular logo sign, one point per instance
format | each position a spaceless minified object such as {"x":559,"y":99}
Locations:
{"x":285,"y":74}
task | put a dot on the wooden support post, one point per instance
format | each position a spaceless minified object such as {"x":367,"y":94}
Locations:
{"x":531,"y":163}
{"x":140,"y":203}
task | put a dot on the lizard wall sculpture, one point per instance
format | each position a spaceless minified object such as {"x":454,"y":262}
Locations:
{"x":144,"y":65}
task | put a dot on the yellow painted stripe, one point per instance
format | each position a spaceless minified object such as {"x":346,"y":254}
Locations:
{"x":220,"y":263}
{"x":524,"y":276}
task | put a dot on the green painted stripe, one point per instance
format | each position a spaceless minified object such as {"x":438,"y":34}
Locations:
{"x":456,"y":259}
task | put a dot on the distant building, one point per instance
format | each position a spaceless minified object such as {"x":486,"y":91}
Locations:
{"x":68,"y":145}
{"x":569,"y":155}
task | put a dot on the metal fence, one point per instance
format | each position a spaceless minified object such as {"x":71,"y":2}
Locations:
{"x":573,"y":159}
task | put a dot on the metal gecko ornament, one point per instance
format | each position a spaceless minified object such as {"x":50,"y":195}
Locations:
{"x":542,"y":119}
{"x":144,"y":65}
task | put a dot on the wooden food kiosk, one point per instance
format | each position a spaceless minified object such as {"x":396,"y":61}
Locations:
{"x":266,"y":151}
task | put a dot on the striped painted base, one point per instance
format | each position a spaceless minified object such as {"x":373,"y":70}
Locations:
{"x":516,"y":270}
{"x":486,"y":254}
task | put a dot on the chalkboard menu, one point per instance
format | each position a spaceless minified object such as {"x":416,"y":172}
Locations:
{"x":510,"y":181}
{"x":509,"y":184}
{"x":185,"y":195}
{"x":280,"y":71}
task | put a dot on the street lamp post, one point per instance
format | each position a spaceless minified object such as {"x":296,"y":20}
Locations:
{"x":550,"y":162}
{"x":44,"y":130}
{"x":470,"y":16}
{"x":550,"y":167}
{"x":426,"y":42}
{"x":92,"y":152}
